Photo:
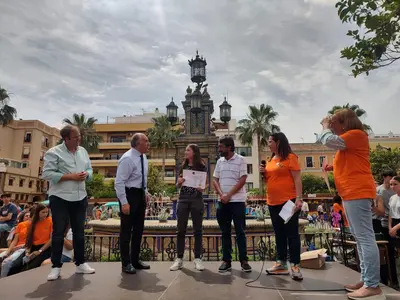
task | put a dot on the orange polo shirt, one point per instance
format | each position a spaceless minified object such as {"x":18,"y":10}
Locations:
{"x":352,"y":169}
{"x":42,"y":233}
{"x":279,"y":179}
{"x":22,"y":231}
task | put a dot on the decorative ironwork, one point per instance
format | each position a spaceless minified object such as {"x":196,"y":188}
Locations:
{"x":171,"y":249}
{"x":146,"y":253}
{"x":115,"y":249}
{"x":88,"y":247}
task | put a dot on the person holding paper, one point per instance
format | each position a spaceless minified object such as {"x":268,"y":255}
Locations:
{"x":285,"y":200}
{"x":190,"y":201}
{"x":344,"y":132}
{"x":230,"y":176}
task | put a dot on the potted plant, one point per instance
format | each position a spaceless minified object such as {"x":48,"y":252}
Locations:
{"x":163,"y":215}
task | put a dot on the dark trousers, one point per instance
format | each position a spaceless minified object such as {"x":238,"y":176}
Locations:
{"x":132,"y":226}
{"x":64,"y":212}
{"x":196,"y":209}
{"x":235,"y":211}
{"x":378,"y":228}
{"x":286,"y":234}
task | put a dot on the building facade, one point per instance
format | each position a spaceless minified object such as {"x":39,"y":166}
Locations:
{"x":386,"y":141}
{"x":22,"y":149}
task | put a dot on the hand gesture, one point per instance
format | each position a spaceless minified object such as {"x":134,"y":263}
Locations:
{"x":326,"y":123}
{"x":225,"y":198}
{"x":181,"y":180}
{"x":199,"y":189}
{"x":328,"y":168}
{"x":81,"y":176}
{"x":298,"y":204}
{"x":392,"y":232}
{"x":126,"y":209}
{"x":262,"y":169}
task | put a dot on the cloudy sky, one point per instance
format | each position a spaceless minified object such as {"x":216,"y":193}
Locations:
{"x":114,"y":57}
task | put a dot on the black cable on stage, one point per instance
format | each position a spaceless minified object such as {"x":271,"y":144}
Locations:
{"x":248,"y":284}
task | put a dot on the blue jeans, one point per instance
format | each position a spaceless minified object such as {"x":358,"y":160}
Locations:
{"x":235,"y":211}
{"x":5,"y":227}
{"x":359,"y":215}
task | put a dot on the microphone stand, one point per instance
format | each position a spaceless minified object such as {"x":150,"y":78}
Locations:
{"x":341,"y":222}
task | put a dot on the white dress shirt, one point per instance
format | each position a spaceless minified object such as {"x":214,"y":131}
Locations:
{"x":129,"y":173}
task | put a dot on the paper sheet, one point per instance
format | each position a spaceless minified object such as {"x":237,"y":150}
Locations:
{"x":195,"y":179}
{"x":287,"y":211}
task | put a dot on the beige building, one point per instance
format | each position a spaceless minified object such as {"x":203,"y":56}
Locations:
{"x":390,"y":140}
{"x":23,"y":144}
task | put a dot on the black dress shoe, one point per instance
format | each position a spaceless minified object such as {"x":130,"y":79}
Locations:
{"x":141,"y":266}
{"x":129,"y":269}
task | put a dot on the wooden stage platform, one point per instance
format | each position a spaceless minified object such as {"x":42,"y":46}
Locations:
{"x":159,"y":283}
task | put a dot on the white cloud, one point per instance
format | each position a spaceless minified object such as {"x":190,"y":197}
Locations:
{"x":108,"y":58}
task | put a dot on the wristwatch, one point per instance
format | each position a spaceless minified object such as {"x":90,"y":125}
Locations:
{"x":40,"y":251}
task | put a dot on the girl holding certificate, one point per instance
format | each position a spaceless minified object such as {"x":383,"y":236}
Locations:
{"x":190,"y":201}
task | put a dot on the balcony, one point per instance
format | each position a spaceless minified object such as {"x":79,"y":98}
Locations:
{"x":115,"y":146}
{"x":169,"y":162}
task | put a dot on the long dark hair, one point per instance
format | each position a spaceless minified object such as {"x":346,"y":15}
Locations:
{"x":283,"y":147}
{"x":198,"y":163}
{"x":35,"y":219}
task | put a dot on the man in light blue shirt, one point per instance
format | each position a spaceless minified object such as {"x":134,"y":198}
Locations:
{"x":67,"y":167}
{"x":130,"y":186}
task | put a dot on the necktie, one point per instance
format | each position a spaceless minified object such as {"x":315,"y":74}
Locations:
{"x":142,"y":165}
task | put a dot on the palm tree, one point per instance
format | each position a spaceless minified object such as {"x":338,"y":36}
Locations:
{"x":357,"y":109}
{"x":89,"y":138}
{"x":7,"y":113}
{"x":259,"y":123}
{"x":161,"y":136}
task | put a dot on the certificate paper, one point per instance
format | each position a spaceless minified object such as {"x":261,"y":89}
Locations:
{"x":195,"y":179}
{"x":287,"y":211}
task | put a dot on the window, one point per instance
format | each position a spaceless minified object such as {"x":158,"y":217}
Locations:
{"x":28,"y":137}
{"x":21,"y":182}
{"x":11,"y":181}
{"x":249,"y":185}
{"x":116,"y":155}
{"x":30,"y":183}
{"x":41,"y":155}
{"x":16,"y":196}
{"x":249,"y":169}
{"x":321,"y":160}
{"x":169,"y":173}
{"x":25,"y":164}
{"x":309,"y":162}
{"x":25,"y":153}
{"x":243,"y":151}
{"x":40,"y":171}
{"x":118,"y":139}
{"x":45,"y":141}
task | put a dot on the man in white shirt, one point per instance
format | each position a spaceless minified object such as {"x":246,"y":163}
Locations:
{"x":230,"y":176}
{"x":67,"y":167}
{"x":130,"y":186}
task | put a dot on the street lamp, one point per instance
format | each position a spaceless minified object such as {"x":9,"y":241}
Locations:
{"x":198,"y":68}
{"x":195,"y":102}
{"x":225,"y":112}
{"x":172,"y":111}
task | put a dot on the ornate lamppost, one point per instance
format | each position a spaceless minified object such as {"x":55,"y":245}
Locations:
{"x":172,"y":112}
{"x":225,"y":113}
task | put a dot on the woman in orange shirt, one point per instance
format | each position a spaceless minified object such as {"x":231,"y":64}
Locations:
{"x":338,"y":208}
{"x":354,"y":182}
{"x":282,"y":175}
{"x":38,"y":241}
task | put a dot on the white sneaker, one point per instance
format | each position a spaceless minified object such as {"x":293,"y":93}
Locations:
{"x":54,"y":274}
{"x":178,"y":264}
{"x":198,"y":264}
{"x":84,"y":269}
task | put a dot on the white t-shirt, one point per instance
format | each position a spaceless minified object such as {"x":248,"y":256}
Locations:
{"x":66,"y":252}
{"x":229,"y":173}
{"x":394,"y":207}
{"x":304,"y":207}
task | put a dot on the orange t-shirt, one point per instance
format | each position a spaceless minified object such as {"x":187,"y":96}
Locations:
{"x":336,"y":208}
{"x":22,"y":231}
{"x":279,"y":179}
{"x":42,"y":233}
{"x":352,"y":169}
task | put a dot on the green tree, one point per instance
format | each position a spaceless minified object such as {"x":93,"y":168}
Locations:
{"x":162,"y":136}
{"x":7,"y":112}
{"x":259,"y":124}
{"x":98,"y":188}
{"x":377,"y":39}
{"x":155,"y":180}
{"x":357,"y":109}
{"x":313,"y":184}
{"x":89,"y":138}
{"x":382,"y":159}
